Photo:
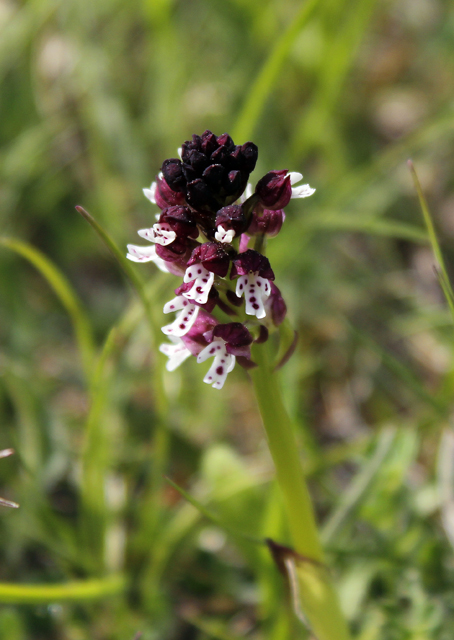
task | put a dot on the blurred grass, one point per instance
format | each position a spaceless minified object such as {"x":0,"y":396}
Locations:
{"x":94,"y":96}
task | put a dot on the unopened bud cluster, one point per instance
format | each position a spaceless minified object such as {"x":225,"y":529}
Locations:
{"x":209,"y":215}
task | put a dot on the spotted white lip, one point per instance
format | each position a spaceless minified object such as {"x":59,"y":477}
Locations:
{"x":256,"y":291}
{"x":222,"y":364}
{"x":186,"y":317}
{"x":203,"y":281}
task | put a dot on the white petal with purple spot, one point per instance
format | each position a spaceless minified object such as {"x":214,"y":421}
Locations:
{"x":222,"y":235}
{"x":222,"y":364}
{"x":184,"y":320}
{"x":161,"y":233}
{"x":256,"y":291}
{"x":203,"y":281}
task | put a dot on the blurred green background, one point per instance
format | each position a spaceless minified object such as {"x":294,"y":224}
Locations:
{"x":93,"y":97}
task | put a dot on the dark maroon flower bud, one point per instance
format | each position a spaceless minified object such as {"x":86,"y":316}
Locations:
{"x":234,"y":183}
{"x":209,"y":143}
{"x":199,"y":195}
{"x":197,"y":160}
{"x":249,"y":155}
{"x":214,"y":176}
{"x":226,"y":140}
{"x":172,"y":170}
{"x":165,"y":196}
{"x":236,"y":336}
{"x":276,"y":306}
{"x":178,"y":251}
{"x":231,"y":217}
{"x":181,"y":220}
{"x":219,"y":156}
{"x":212,"y":256}
{"x":189,"y":172}
{"x":268,"y":221}
{"x":251,"y":262}
{"x":274,"y":190}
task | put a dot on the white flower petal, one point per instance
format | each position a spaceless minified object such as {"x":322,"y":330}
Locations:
{"x":184,"y":320}
{"x":222,"y":364}
{"x":177,"y":353}
{"x":203,"y":280}
{"x":295,"y":177}
{"x":146,"y":254}
{"x":256,"y":291}
{"x":151,"y":193}
{"x":222,"y":235}
{"x":161,"y":233}
{"x":303,"y":191}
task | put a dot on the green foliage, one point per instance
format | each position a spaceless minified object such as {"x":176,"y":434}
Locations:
{"x":94,"y":96}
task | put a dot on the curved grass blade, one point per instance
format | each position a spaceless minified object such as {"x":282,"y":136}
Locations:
{"x":213,"y":517}
{"x":442,"y":273}
{"x":64,"y":292}
{"x":372,"y":225}
{"x":263,"y":85}
{"x":122,"y":260}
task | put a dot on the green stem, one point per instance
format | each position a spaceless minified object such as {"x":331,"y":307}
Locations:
{"x":316,"y":595}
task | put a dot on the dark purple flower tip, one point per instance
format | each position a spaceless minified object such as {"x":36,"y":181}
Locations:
{"x":197,"y":160}
{"x":214,"y":175}
{"x":266,"y":221}
{"x":251,"y":262}
{"x":249,"y":155}
{"x":209,"y":305}
{"x":276,"y":305}
{"x":172,"y":170}
{"x":165,"y":196}
{"x":226,"y":141}
{"x":199,"y":195}
{"x":181,"y":220}
{"x":236,"y":336}
{"x":212,"y":256}
{"x":231,"y":217}
{"x":274,"y":190}
{"x":196,"y":338}
{"x":233,"y":184}
{"x":220,"y":156}
{"x":209,"y":142}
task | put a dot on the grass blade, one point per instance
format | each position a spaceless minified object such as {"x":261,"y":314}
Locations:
{"x":77,"y":591}
{"x":64,"y":292}
{"x":263,"y":85}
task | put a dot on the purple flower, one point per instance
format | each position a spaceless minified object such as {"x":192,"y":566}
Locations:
{"x":208,"y":215}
